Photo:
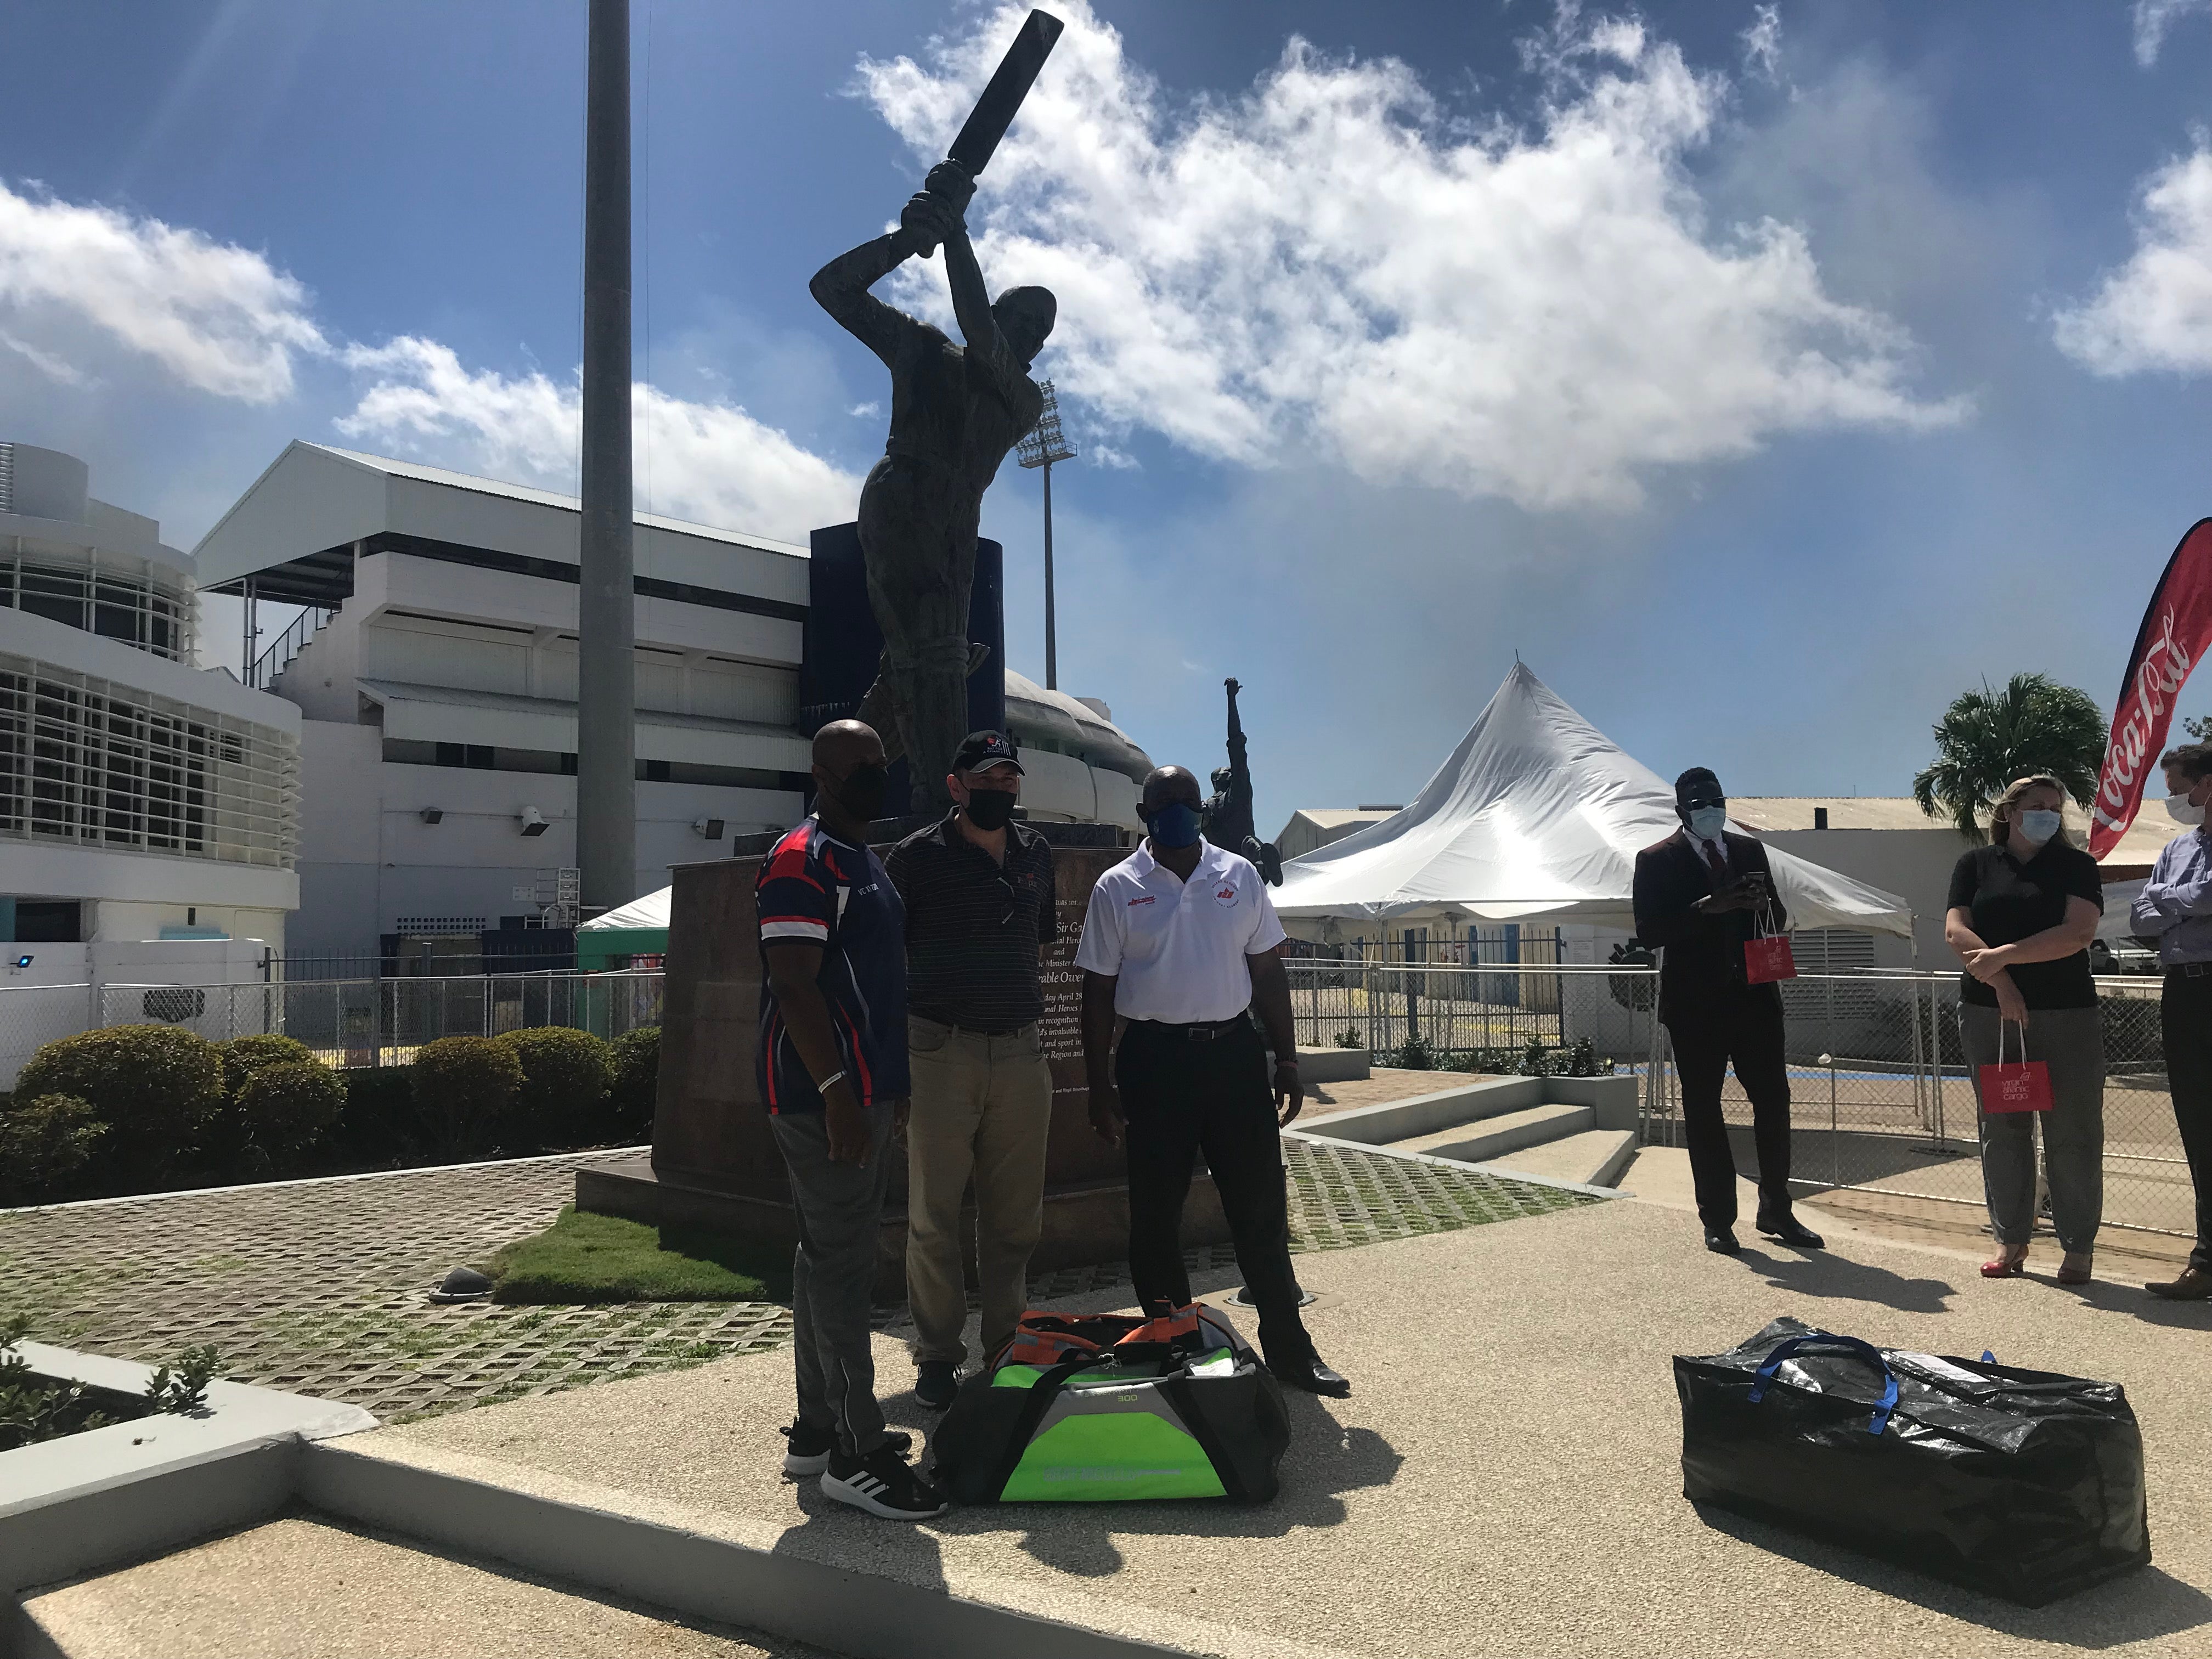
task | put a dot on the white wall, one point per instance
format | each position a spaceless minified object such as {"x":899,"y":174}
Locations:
{"x":1913,"y":864}
{"x":368,"y":859}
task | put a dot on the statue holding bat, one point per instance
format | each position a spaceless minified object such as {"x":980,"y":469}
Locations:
{"x":956,"y":410}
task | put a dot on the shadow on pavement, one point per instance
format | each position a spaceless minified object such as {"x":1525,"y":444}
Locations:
{"x":2135,"y":1606}
{"x":1326,"y":1459}
{"x":1825,"y":1273}
{"x":2133,"y":1299}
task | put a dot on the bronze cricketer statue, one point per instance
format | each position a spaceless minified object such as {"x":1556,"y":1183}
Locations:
{"x":956,"y":410}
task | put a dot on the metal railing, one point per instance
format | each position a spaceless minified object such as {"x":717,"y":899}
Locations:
{"x":368,"y":1022}
{"x":1881,"y":1097}
{"x":288,"y":645}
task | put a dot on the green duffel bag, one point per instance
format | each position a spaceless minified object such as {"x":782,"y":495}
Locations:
{"x":1086,"y":1409}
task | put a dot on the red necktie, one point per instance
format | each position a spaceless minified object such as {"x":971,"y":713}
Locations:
{"x":1718,"y":863}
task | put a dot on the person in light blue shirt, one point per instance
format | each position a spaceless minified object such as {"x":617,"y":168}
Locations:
{"x":2175,"y":908}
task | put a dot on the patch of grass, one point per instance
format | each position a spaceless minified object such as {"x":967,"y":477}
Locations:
{"x":583,"y":1257}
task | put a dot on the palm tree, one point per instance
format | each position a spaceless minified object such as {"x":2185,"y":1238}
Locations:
{"x":1986,"y":739}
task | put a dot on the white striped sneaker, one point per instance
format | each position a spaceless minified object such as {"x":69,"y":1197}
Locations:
{"x":807,"y":1449}
{"x":884,"y":1484}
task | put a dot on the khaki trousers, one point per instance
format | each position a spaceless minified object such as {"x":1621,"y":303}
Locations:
{"x":982,"y":1108}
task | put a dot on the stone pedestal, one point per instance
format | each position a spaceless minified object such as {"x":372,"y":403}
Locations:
{"x":715,"y":1162}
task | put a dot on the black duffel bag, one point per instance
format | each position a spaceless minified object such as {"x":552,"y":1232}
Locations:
{"x":2027,"y":1485}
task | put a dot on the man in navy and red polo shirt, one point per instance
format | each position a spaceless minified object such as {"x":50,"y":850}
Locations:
{"x":833,"y":1070}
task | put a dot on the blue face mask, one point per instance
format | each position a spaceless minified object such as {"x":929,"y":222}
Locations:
{"x":2039,"y":825}
{"x":1708,"y":821}
{"x":1175,"y":824}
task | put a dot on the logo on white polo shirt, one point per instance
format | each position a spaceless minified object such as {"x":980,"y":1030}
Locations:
{"x":1225,"y":895}
{"x":1134,"y":903}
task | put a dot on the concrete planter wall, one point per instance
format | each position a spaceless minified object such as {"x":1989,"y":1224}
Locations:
{"x":88,"y":1501}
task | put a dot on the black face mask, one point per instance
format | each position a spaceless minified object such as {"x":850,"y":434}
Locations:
{"x":989,"y":809}
{"x":861,"y":791}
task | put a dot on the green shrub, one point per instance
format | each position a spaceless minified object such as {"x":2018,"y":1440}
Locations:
{"x":243,"y":1056}
{"x":381,"y":1126}
{"x":157,"y":1088}
{"x":628,"y":1113}
{"x":44,"y":1145}
{"x":565,"y":1077}
{"x":284,"y":1109}
{"x":464,"y":1085}
{"x":1349,"y":1037}
{"x":1415,"y":1056}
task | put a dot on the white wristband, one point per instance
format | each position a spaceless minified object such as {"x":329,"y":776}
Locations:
{"x":821,"y":1087}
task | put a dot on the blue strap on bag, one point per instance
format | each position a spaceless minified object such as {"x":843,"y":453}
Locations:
{"x":1865,"y":1351}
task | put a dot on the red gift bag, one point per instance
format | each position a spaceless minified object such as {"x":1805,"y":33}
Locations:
{"x":2023,"y":1087}
{"x":1767,"y":959}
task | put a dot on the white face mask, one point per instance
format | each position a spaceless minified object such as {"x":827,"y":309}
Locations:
{"x":2039,"y":825}
{"x":1708,"y":821}
{"x":2178,"y":809}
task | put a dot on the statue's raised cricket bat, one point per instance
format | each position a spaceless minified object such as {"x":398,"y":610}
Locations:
{"x":1009,"y":85}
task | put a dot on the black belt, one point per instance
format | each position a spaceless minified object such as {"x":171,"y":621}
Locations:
{"x":1204,"y":1030}
{"x":2190,"y":970}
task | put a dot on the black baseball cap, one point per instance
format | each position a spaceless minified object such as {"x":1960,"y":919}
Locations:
{"x":981,"y":749}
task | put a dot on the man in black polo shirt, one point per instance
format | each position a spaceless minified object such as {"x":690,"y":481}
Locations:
{"x":978,"y":890}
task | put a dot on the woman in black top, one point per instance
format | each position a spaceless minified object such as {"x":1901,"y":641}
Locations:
{"x":2023,"y":911}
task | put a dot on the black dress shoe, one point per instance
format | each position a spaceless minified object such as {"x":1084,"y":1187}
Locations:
{"x":1789,"y":1229}
{"x":1312,"y":1374}
{"x":1721,"y":1241}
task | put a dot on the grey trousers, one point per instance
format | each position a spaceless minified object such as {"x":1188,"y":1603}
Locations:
{"x":841,"y":1211}
{"x":2070,"y":1042}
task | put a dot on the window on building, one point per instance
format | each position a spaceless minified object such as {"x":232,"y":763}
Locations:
{"x":49,"y":922}
{"x":88,"y":760}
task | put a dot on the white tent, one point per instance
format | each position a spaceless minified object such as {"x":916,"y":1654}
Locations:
{"x":1537,"y":814}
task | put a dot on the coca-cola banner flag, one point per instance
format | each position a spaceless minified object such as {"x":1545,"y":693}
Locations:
{"x":2175,"y":631}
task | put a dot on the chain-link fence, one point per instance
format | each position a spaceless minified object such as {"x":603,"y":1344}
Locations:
{"x":31,"y":1015}
{"x":1496,"y":1018}
{"x":371,"y":1021}
{"x":1883,"y":1099}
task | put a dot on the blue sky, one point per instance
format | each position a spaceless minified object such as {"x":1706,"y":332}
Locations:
{"x":1764,"y":375}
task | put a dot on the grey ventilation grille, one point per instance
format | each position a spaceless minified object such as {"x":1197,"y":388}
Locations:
{"x":7,"y":477}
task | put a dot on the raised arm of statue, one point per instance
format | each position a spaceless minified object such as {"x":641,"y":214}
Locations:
{"x":840,"y":287}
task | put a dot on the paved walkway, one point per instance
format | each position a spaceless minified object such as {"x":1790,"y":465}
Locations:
{"x":1505,"y":1477}
{"x":318,"y":1287}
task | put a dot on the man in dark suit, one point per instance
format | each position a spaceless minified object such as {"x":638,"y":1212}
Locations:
{"x":1701,"y":894}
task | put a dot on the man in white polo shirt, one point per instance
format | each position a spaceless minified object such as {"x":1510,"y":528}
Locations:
{"x":1180,"y":940}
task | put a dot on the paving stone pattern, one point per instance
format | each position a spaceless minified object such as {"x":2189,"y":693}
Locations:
{"x":321,"y":1287}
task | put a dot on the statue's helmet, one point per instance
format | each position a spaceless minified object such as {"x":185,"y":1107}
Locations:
{"x":1025,"y":316}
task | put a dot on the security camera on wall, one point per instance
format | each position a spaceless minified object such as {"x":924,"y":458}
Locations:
{"x":533,"y":821}
{"x":710,"y":829}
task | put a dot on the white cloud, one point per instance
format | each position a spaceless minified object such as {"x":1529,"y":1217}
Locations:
{"x":1541,"y":315}
{"x":78,"y":280}
{"x":708,"y":462}
{"x":90,"y":285}
{"x":2155,"y":311}
{"x":2153,"y":18}
{"x":1762,"y":43}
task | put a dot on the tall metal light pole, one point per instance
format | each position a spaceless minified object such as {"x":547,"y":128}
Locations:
{"x":1045,"y":444}
{"x":606,"y":672}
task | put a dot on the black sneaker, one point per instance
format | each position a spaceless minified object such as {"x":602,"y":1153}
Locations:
{"x":884,"y":1484}
{"x":936,"y":1383}
{"x":807,"y":1449}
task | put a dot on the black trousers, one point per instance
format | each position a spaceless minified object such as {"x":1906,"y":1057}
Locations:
{"x":2186,"y":1022}
{"x":1181,"y":1096}
{"x":1743,"y":1026}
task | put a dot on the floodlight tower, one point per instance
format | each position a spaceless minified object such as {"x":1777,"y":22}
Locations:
{"x":1045,"y":444}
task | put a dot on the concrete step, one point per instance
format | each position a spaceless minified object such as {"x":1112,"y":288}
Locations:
{"x":1596,"y":1158}
{"x":1492,"y":1138}
{"x":305,"y":1588}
